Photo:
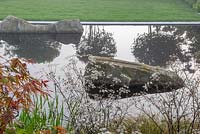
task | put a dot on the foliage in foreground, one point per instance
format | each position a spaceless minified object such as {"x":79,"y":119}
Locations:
{"x":16,"y":88}
{"x":46,"y":116}
{"x":168,"y":113}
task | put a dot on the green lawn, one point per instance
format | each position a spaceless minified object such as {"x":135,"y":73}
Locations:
{"x":99,"y":10}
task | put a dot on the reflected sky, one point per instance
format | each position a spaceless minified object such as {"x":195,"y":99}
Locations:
{"x":66,"y":45}
{"x":124,"y":37}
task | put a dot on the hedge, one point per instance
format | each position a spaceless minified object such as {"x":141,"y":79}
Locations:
{"x":194,"y":4}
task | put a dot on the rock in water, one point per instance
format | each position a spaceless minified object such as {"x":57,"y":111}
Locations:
{"x":112,"y":78}
{"x":71,"y":26}
{"x":12,"y":24}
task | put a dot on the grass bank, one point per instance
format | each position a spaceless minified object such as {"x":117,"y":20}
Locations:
{"x":99,"y":10}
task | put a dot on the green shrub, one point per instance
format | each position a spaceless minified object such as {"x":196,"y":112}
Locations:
{"x":197,"y":5}
{"x":41,"y":117}
{"x":194,"y":4}
{"x":191,"y":2}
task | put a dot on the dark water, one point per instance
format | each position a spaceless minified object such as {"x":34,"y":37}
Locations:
{"x":153,"y":45}
{"x":40,"y":48}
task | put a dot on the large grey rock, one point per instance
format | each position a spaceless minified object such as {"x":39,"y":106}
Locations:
{"x":12,"y":24}
{"x":72,"y":26}
{"x":108,"y":77}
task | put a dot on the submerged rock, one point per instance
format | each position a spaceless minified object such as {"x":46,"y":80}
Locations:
{"x":12,"y":24}
{"x":112,"y":78}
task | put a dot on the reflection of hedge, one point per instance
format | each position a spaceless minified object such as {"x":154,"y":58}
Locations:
{"x":197,"y":6}
{"x":194,"y":3}
{"x":191,"y":2}
{"x":149,"y":48}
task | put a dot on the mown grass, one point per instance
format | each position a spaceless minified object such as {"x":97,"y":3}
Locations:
{"x":99,"y":10}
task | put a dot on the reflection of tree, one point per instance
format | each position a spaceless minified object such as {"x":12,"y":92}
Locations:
{"x":38,"y":47}
{"x":96,"y":42}
{"x":156,"y":48}
{"x":38,"y":53}
{"x":191,"y":35}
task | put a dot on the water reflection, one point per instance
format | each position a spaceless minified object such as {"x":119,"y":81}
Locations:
{"x":157,"y":48}
{"x":192,"y":38}
{"x":38,"y":47}
{"x":154,"y":45}
{"x":96,"y":42}
{"x":193,"y":34}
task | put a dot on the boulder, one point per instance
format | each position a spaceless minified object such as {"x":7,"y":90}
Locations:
{"x":112,"y":78}
{"x":71,"y":26}
{"x":12,"y":24}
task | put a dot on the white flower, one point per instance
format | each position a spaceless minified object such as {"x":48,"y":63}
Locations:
{"x":116,"y":80}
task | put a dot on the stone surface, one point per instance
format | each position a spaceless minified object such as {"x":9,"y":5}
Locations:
{"x":72,"y":26}
{"x":112,"y":78}
{"x":12,"y":24}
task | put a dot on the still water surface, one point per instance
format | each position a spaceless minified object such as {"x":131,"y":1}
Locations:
{"x":154,"y":45}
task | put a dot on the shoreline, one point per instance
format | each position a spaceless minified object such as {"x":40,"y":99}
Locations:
{"x":122,"y":23}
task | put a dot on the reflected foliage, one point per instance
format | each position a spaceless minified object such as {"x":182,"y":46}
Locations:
{"x":169,"y":43}
{"x":38,"y":47}
{"x":156,"y":48}
{"x":96,"y":42}
{"x":191,"y":36}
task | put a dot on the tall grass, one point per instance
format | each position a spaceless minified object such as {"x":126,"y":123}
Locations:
{"x":46,"y":114}
{"x":87,"y":116}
